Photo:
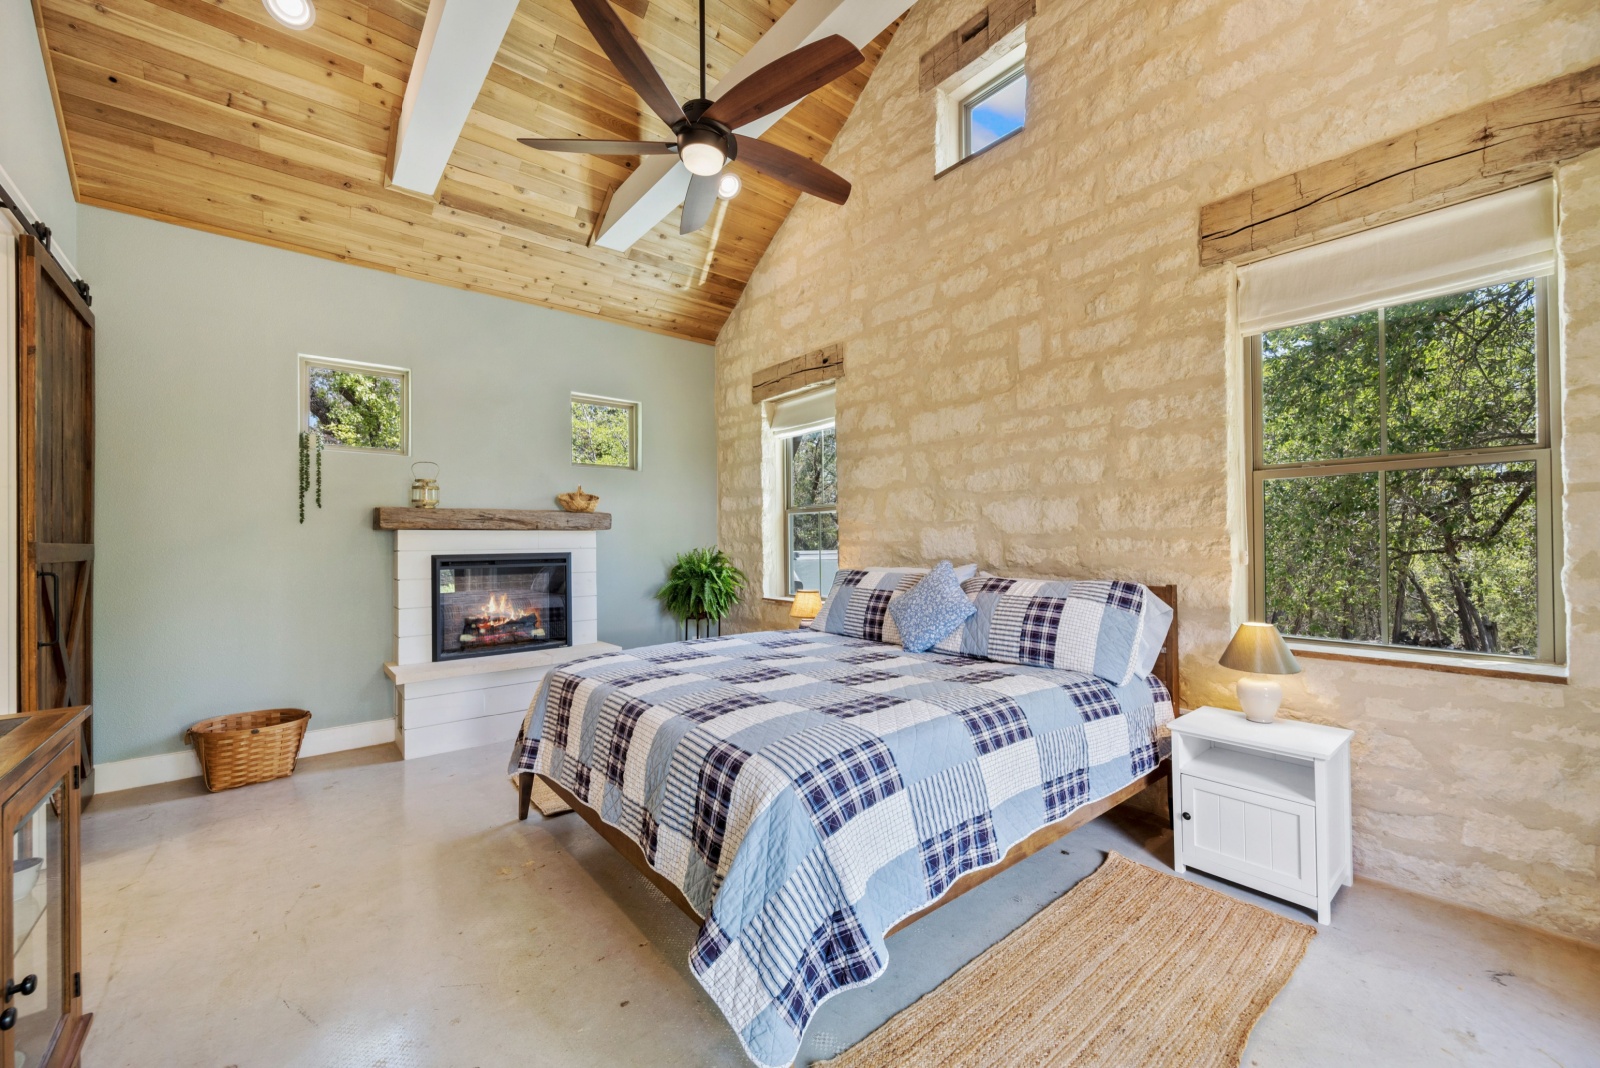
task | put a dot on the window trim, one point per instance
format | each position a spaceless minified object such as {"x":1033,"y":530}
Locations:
{"x":376,"y":370}
{"x":1011,"y":73}
{"x":789,"y":508}
{"x":1545,"y":455}
{"x":635,"y":416}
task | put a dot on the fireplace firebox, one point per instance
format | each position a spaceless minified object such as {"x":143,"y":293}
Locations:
{"x":491,"y":603}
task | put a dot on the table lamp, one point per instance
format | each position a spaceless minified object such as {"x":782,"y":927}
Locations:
{"x":807,"y":603}
{"x":1258,"y":649}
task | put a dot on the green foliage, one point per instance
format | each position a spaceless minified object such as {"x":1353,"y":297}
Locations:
{"x":602,"y":434}
{"x":1451,"y":548}
{"x":305,"y":471}
{"x":813,"y":469}
{"x":702,"y":584}
{"x":361,"y":411}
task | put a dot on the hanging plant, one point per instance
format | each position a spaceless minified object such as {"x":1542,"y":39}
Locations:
{"x":305,"y":470}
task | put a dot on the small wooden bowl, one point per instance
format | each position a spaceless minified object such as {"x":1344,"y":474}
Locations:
{"x":577,"y":501}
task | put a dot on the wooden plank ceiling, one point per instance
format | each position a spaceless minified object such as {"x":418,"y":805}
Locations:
{"x":209,"y":114}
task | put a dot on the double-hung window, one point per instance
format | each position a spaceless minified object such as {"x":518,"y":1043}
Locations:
{"x":803,"y":425}
{"x":1405,"y":483}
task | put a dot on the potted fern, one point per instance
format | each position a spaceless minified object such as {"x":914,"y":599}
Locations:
{"x":702,"y":585}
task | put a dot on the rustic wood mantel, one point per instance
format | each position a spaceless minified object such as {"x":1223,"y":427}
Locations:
{"x":486,"y":519}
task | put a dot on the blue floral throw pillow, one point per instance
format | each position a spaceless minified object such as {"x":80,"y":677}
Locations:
{"x":931,"y":609}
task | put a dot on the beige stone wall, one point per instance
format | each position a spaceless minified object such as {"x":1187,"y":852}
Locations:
{"x":1041,"y":377}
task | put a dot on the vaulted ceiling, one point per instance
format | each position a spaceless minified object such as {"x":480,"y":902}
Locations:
{"x":208,"y":113}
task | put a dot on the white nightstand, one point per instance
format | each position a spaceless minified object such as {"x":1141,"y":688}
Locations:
{"x":1263,"y":804}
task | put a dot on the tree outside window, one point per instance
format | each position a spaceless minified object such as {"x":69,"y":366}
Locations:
{"x":604,"y":432}
{"x":1405,"y":482}
{"x":812,"y":511}
{"x":355,"y":406}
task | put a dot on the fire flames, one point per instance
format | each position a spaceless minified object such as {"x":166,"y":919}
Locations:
{"x":498,"y":611}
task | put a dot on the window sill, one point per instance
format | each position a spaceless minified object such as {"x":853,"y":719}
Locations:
{"x":778,"y":600}
{"x":970,"y":156}
{"x":1496,"y":669}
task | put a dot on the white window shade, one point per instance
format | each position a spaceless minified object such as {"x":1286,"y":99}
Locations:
{"x":801,"y":413}
{"x":1496,"y":238}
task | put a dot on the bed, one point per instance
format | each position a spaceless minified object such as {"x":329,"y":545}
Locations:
{"x":803,"y":795}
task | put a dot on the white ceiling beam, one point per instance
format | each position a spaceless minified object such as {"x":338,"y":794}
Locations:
{"x":657,"y":187}
{"x":460,"y":39}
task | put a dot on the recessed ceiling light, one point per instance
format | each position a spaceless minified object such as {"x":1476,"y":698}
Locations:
{"x":728,"y":185}
{"x":295,"y":14}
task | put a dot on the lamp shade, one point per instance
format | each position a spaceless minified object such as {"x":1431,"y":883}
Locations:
{"x":1259,"y":649}
{"x":807,"y":603}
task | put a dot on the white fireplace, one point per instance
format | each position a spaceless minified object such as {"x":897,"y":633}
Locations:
{"x":442,"y":704}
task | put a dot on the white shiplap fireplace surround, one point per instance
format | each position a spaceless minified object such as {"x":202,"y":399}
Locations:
{"x":457,"y":704}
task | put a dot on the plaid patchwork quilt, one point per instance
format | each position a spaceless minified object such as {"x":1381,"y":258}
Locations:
{"x":807,"y":790}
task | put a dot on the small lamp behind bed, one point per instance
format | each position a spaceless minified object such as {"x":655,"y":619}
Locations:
{"x":1258,"y":649}
{"x":807,"y":605}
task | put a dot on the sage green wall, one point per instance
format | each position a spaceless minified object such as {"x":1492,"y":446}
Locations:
{"x":30,"y":142}
{"x":210,"y":596}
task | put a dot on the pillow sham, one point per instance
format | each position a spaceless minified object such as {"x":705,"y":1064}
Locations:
{"x":1112,"y":629}
{"x":858,"y":604}
{"x":931,"y":609}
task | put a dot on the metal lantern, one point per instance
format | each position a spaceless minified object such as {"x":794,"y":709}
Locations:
{"x":424,"y":491}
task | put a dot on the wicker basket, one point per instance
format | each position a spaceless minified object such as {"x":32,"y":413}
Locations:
{"x":249,"y":747}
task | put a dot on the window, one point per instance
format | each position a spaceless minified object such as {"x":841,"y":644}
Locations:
{"x":801,"y":504}
{"x":995,"y":110}
{"x":1405,"y":480}
{"x":357,"y":406}
{"x":1404,"y":474}
{"x":811,"y":509}
{"x":605,"y":432}
{"x":982,"y":103}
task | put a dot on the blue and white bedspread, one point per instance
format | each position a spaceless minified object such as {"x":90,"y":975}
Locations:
{"x":807,"y":791}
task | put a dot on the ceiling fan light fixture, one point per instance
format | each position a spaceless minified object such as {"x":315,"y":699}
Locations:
{"x":702,"y":152}
{"x":728,"y":186}
{"x":295,"y":14}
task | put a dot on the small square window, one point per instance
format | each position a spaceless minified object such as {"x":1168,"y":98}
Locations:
{"x":605,"y":432}
{"x":995,"y":110}
{"x":358,"y":406}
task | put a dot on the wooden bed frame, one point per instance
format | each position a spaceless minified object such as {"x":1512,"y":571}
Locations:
{"x":1166,"y":670}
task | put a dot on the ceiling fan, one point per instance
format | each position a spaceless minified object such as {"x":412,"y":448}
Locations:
{"x":704,"y":129}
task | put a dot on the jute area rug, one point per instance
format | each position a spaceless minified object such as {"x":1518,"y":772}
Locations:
{"x":1130,"y":967}
{"x":547,"y":801}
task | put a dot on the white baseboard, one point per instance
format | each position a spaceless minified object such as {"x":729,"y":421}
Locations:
{"x":170,"y":767}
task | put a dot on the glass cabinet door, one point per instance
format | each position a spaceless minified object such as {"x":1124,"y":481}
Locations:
{"x":38,"y":984}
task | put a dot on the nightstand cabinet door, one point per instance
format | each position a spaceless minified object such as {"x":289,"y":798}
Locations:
{"x":1247,"y":836}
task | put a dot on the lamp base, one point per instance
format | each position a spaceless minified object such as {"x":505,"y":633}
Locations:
{"x":1259,"y":698}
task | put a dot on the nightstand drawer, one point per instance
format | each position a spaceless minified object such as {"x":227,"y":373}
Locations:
{"x":1248,"y":836}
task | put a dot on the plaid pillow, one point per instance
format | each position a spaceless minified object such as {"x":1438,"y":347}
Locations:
{"x":1111,"y":629}
{"x":858,"y":604}
{"x":931,"y":609}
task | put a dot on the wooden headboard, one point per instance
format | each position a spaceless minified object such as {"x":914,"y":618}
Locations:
{"x":1167,"y":663}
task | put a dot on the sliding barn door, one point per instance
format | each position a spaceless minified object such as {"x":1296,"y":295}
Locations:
{"x":55,"y":490}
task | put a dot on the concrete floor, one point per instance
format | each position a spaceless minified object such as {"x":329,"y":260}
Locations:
{"x":370,"y":912}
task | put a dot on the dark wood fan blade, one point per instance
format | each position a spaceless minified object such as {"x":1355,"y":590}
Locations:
{"x":793,"y":169}
{"x":601,"y":148}
{"x":612,"y":35}
{"x":783,"y":81}
{"x":697,"y":205}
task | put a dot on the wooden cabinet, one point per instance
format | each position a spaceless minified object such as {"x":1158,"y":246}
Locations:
{"x":1266,"y":805}
{"x":42,"y":1022}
